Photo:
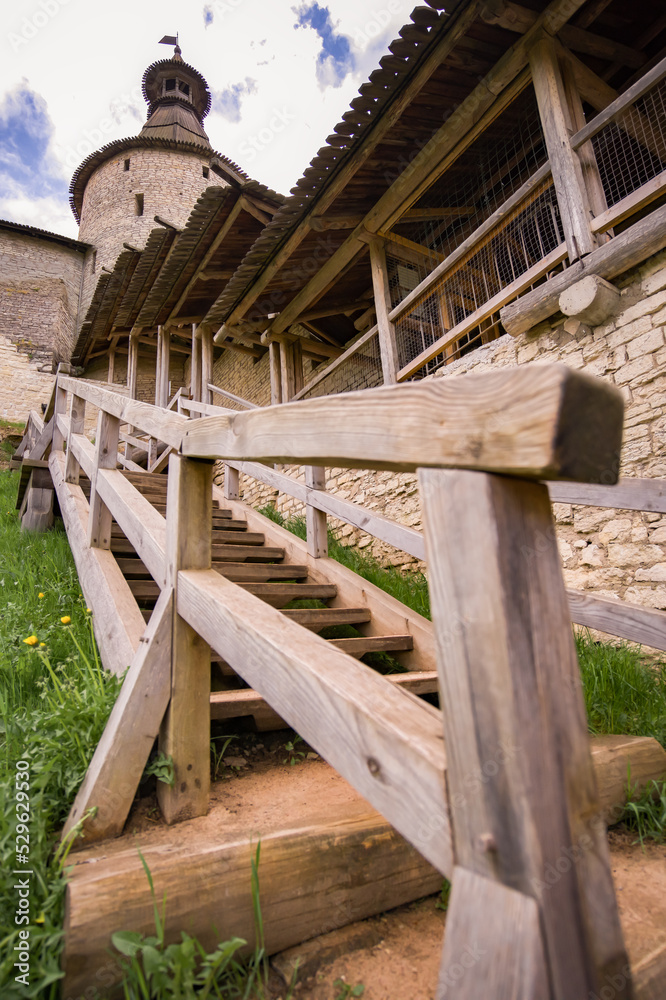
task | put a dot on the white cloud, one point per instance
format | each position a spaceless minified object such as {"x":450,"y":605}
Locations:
{"x":86,"y":60}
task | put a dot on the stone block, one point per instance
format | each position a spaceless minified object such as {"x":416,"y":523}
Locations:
{"x":644,"y":307}
{"x":622,"y":334}
{"x":646,"y":343}
{"x":652,"y":574}
{"x":654,"y":282}
{"x":648,"y":597}
{"x":617,"y":528}
{"x":632,"y":555}
{"x":634,"y":369}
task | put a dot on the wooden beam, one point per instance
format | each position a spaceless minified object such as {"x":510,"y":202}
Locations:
{"x":208,"y":256}
{"x":511,"y":694}
{"x":315,"y":519}
{"x":629,"y":621}
{"x":114,"y":773}
{"x":275,"y":373}
{"x":628,"y":494}
{"x":519,"y":421}
{"x":565,"y":165}
{"x":623,"y":252}
{"x":164,"y":426}
{"x":206,"y":364}
{"x":76,"y":426}
{"x":185,"y":734}
{"x":248,"y":206}
{"x":117,"y":621}
{"x":195,"y":364}
{"x":321,"y":223}
{"x":386,"y":330}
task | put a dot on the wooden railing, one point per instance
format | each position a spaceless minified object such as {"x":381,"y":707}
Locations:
{"x":509,"y":682}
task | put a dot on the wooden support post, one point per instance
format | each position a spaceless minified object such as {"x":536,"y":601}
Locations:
{"x":132,"y":365}
{"x":565,"y":164}
{"x":287,"y":379}
{"x":106,"y":456}
{"x":195,"y":364}
{"x":185,"y":734}
{"x":206,"y":364}
{"x":275,"y":372}
{"x":77,"y":417}
{"x":59,"y":407}
{"x":317,"y":533}
{"x":112,"y":367}
{"x":297,"y":360}
{"x":158,"y":368}
{"x":231,"y":483}
{"x":524,"y":805}
{"x":575,"y":120}
{"x":385,"y":329}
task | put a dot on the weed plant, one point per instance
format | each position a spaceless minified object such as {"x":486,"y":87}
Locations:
{"x":54,"y":703}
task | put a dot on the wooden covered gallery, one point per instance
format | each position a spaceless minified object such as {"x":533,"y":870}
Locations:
{"x":497,"y":145}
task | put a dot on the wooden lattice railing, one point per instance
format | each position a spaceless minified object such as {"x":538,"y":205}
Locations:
{"x":509,"y":680}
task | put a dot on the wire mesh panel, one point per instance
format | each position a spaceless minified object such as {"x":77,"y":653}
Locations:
{"x":529,"y":235}
{"x":631,"y":149}
{"x":361,"y":370}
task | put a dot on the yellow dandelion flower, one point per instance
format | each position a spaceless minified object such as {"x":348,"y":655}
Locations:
{"x":40,"y":595}
{"x":65,"y":619}
{"x":89,"y":610}
{"x":31,"y":640}
{"x":41,"y":918}
{"x":42,"y":644}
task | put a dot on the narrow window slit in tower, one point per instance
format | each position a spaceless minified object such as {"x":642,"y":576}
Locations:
{"x":138,"y":204}
{"x":127,"y":163}
{"x":205,"y":171}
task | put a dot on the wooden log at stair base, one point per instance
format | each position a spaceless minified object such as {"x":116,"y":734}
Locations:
{"x":519,"y":421}
{"x":364,"y":865}
{"x":117,"y":621}
{"x":38,"y":514}
{"x":511,"y":695}
{"x":185,"y":733}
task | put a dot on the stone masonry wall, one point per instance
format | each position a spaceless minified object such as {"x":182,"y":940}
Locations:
{"x":170,"y":182}
{"x":614,"y":553}
{"x":40,"y":281}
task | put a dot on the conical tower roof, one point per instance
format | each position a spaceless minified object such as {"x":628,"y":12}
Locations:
{"x":178,"y":101}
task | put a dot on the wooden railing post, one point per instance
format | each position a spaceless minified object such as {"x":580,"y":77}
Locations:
{"x":195,"y":364}
{"x":206,"y":364}
{"x":533,"y":900}
{"x":315,"y":520}
{"x":185,"y":733}
{"x":386,"y":330}
{"x":76,"y":426}
{"x":275,"y":372}
{"x":59,"y":409}
{"x":106,"y":457}
{"x":231,"y":483}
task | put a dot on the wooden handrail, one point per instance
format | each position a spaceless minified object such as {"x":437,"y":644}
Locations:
{"x":618,"y":106}
{"x":230,"y":395}
{"x":524,"y":421}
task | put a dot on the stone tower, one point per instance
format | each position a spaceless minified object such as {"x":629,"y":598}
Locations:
{"x":118,"y":190}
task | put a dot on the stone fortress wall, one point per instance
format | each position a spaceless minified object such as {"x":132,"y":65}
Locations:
{"x":39,"y":300}
{"x":169,"y":181}
{"x":613,"y":553}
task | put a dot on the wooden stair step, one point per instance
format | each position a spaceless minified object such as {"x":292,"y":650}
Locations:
{"x":242,"y":552}
{"x":316,"y":619}
{"x":279,"y":594}
{"x":131,"y":566}
{"x":247,"y":701}
{"x":374,"y":644}
{"x":220,"y":536}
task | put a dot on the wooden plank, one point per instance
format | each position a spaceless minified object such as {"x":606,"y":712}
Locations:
{"x":627,"y":494}
{"x":348,"y":848}
{"x":357,"y":344}
{"x":206,"y":364}
{"x":195,"y":365}
{"x":649,"y":975}
{"x":374,"y":644}
{"x":628,"y":206}
{"x":623,"y":252}
{"x":76,"y":426}
{"x":122,"y":753}
{"x":38,"y":514}
{"x":185,"y":733}
{"x":231,"y":483}
{"x":315,"y":519}
{"x":388,"y":347}
{"x":316,"y":619}
{"x":42,"y":445}
{"x":106,"y":451}
{"x":619,"y":106}
{"x":160,"y":424}
{"x":376,"y":737}
{"x":59,"y":411}
{"x":117,"y":622}
{"x":564,"y":163}
{"x":245,"y":403}
{"x":629,"y":621}
{"x":140,"y":522}
{"x":526,"y":279}
{"x":492,"y":948}
{"x":521,"y":420}
{"x":511,"y":695}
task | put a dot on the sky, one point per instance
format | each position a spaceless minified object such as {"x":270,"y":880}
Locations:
{"x":281,"y":75}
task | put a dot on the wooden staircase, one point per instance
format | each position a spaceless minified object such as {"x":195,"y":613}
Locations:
{"x":244,"y":557}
